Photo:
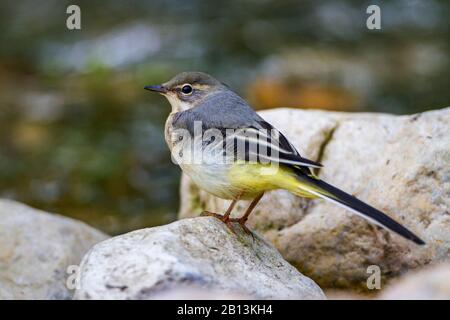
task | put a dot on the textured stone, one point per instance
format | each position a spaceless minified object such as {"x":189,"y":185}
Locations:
{"x":197,"y":293}
{"x":432,"y":283}
{"x":35,"y":250}
{"x":399,"y":164}
{"x":199,"y":254}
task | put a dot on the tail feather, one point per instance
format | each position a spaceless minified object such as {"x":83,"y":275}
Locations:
{"x":333,"y":194}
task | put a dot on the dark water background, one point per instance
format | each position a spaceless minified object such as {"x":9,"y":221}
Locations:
{"x":79,"y":135}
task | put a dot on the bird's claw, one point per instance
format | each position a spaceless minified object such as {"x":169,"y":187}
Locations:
{"x":222,"y":217}
{"x":243,"y":226}
{"x":228,"y":221}
{"x":213,"y":214}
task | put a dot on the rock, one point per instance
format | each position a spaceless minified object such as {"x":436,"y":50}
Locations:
{"x":36,"y":249}
{"x":346,"y":294}
{"x":399,"y":164}
{"x":431,"y":283}
{"x":199,"y":253}
{"x":196,"y":293}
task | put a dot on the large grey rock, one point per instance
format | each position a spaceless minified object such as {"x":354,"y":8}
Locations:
{"x":198,"y":293}
{"x":399,"y":164}
{"x":35,"y":250}
{"x":432,"y":283}
{"x":199,"y":253}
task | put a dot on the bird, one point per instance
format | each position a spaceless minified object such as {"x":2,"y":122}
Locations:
{"x":230,"y":151}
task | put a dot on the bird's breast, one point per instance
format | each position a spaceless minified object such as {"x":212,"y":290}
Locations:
{"x":208,"y":166}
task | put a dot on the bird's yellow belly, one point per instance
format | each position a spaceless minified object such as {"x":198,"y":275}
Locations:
{"x":244,"y":181}
{"x":213,"y":179}
{"x":228,"y":179}
{"x":260,"y":178}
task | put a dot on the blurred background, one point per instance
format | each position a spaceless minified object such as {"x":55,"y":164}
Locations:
{"x":79,"y":136}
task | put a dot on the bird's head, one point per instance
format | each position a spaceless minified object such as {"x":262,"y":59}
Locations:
{"x":187,"y":89}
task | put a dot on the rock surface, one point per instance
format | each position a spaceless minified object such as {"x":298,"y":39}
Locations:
{"x":199,"y":253}
{"x":196,"y":293}
{"x":399,"y":164}
{"x":432,"y":283}
{"x":35,"y":250}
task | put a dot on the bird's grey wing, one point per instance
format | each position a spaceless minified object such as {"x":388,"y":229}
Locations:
{"x":244,"y":132}
{"x":284,"y":150}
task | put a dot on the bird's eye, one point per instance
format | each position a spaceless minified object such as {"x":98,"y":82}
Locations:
{"x":186,"y":89}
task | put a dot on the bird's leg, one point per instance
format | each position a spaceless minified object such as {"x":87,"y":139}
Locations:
{"x":225,"y":218}
{"x":242,"y":220}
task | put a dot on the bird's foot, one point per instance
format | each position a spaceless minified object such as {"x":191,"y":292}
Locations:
{"x":243,"y":226}
{"x":222,"y":217}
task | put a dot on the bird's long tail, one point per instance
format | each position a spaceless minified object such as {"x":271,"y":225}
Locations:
{"x":328,"y":192}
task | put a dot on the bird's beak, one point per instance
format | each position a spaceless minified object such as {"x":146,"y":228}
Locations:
{"x":157,"y":88}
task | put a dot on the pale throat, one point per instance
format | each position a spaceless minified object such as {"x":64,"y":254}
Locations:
{"x":177,"y":104}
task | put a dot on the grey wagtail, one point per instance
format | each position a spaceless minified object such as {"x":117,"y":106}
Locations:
{"x":239,"y":165}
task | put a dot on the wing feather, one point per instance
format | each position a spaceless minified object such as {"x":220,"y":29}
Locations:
{"x":262,"y":142}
